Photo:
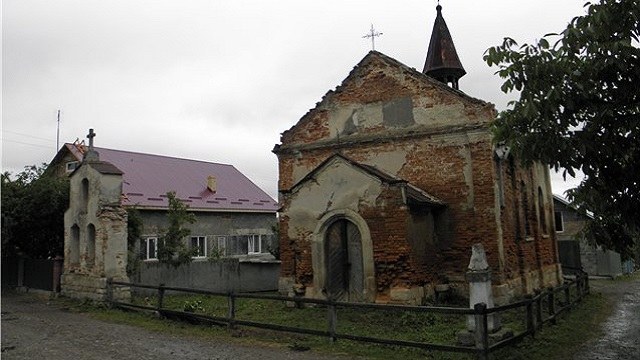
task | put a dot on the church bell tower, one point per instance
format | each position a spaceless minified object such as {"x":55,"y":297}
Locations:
{"x":442,"y":61}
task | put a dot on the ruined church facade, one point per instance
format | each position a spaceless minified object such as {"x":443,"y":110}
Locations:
{"x":387,"y":183}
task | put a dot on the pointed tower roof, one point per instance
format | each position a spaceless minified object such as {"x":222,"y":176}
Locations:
{"x":442,"y":59}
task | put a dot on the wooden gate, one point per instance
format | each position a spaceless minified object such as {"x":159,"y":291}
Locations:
{"x":343,"y":250}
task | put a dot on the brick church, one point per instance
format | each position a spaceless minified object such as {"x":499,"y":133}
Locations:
{"x":387,"y":183}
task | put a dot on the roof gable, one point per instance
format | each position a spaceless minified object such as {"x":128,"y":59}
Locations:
{"x":396,"y":90}
{"x":415,"y":194}
{"x":559,"y":200}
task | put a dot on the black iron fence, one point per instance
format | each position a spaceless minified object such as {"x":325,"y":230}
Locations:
{"x":539,"y":309}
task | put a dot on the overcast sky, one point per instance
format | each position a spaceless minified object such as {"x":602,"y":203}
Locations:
{"x":220,"y":80}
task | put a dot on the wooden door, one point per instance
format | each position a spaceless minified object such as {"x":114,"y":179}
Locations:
{"x":344,"y":268}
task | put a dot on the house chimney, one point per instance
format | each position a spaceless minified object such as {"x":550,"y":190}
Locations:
{"x":212,"y":183}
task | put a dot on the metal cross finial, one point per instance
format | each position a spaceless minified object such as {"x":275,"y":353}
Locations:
{"x":90,"y":137}
{"x":372,"y":34}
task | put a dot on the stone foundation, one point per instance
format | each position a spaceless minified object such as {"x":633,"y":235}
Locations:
{"x":549,"y":276}
{"x":82,"y":286}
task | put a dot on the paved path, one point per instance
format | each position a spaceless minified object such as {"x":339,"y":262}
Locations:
{"x":33,"y":329}
{"x":621,"y":340}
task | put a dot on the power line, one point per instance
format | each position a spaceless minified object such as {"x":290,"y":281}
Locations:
{"x":30,"y":144}
{"x":26,"y":135}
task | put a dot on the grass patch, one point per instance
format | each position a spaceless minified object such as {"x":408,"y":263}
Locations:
{"x":553,"y":342}
{"x":562,"y":340}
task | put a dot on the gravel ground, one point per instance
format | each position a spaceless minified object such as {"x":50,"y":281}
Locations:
{"x":33,"y":328}
{"x":621,"y":340}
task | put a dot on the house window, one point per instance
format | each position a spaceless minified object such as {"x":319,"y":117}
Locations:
{"x":254,"y":244}
{"x":221,"y":245}
{"x":72,"y":165}
{"x":149,"y":248}
{"x":199,"y":246}
{"x":231,"y":245}
{"x":559,"y":221}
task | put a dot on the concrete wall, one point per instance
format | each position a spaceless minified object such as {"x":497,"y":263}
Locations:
{"x":221,"y":275}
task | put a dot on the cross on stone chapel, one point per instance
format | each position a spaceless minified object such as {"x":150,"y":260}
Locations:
{"x":387,"y":183}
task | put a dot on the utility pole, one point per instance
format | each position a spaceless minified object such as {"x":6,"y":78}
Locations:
{"x":58,"y":133}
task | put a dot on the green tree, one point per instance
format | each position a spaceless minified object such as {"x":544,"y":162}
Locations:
{"x":172,"y":249}
{"x":579,"y":109}
{"x":33,"y":207}
{"x":134,"y":231}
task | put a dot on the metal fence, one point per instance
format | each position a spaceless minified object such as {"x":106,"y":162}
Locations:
{"x":41,"y":274}
{"x":539,"y":309}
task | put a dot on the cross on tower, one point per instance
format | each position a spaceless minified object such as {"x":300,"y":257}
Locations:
{"x":372,"y":34}
{"x":90,"y":137}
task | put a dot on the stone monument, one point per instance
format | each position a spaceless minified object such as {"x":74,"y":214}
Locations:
{"x":95,"y":237}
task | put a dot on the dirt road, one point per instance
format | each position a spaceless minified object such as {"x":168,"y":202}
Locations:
{"x":33,"y":329}
{"x":621,"y":339}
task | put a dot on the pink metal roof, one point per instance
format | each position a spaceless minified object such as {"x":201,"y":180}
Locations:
{"x":147,"y":178}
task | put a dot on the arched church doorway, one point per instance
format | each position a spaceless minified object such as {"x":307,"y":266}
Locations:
{"x":343,"y":261}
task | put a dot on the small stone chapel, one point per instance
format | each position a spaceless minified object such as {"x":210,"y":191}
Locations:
{"x":95,"y":236}
{"x":387,"y":183}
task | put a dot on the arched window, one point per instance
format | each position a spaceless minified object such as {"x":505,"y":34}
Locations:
{"x":91,"y":245}
{"x":74,"y":245}
{"x":541,"y":213}
{"x":524,"y":202}
{"x":84,"y":195}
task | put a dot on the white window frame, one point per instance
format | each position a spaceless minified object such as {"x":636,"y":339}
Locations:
{"x":221,"y":242}
{"x":71,"y":165}
{"x":251,"y":240}
{"x":146,"y":248}
{"x":228,"y":244}
{"x":199,"y":239}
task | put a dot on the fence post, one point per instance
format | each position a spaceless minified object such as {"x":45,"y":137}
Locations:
{"x":531,"y":327}
{"x":578,"y":286}
{"x":551,"y":304}
{"x":586,"y":282}
{"x":20,"y":272}
{"x":231,"y":312}
{"x":481,"y":331}
{"x":57,"y":272}
{"x":332,"y":317}
{"x":160,"y":297}
{"x":538,"y":311}
{"x":109,"y":292}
